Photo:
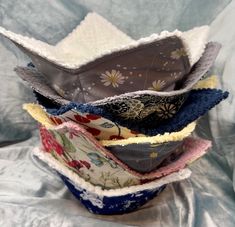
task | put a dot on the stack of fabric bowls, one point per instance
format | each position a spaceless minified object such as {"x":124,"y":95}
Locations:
{"x":116,"y":115}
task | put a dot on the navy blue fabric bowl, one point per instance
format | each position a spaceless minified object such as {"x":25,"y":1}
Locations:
{"x":115,"y":204}
{"x":197,"y":104}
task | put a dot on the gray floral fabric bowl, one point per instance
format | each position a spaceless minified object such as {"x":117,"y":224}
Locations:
{"x":145,"y":157}
{"x":116,"y":66}
{"x":138,"y":105}
{"x":134,"y":105}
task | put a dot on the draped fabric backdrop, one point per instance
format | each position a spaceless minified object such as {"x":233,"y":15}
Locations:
{"x":32,"y":195}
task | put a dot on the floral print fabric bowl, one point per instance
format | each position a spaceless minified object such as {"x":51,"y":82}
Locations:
{"x":142,"y":153}
{"x":139,"y":105}
{"x":197,"y":104}
{"x":114,"y":69}
{"x":75,"y":148}
{"x":145,"y":157}
{"x":112,"y":205}
{"x":103,"y":201}
{"x":101,"y":128}
{"x":135,"y":106}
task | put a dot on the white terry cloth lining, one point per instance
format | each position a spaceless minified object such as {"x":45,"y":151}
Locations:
{"x":95,"y":37}
{"x":81,"y":183}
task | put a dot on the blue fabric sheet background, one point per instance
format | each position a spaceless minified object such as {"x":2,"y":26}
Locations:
{"x":32,"y":195}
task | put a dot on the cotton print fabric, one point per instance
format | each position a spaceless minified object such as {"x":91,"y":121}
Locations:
{"x":206,"y":199}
